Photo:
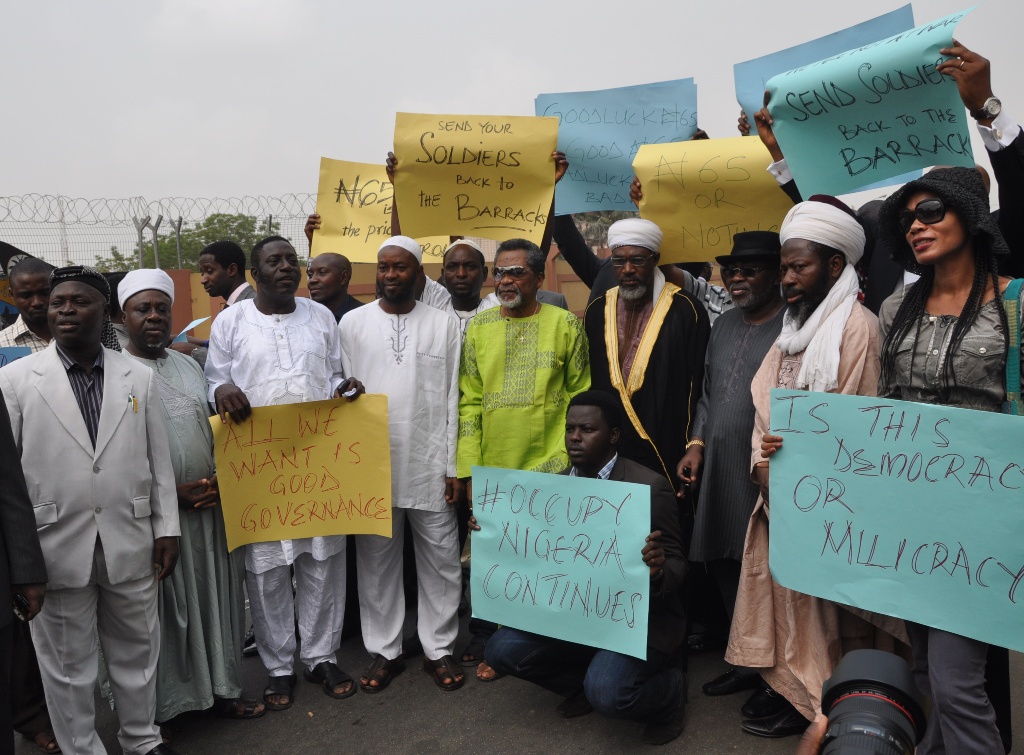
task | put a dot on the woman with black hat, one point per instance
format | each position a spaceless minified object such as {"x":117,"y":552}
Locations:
{"x":945,"y":341}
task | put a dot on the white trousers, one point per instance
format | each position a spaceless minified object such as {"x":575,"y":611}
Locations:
{"x":125,"y":617}
{"x":438,"y":575}
{"x":320,"y":593}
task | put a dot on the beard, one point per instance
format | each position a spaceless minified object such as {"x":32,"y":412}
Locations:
{"x":813,"y":297}
{"x":634,"y":293}
{"x":514,"y":303}
{"x":401,"y":296}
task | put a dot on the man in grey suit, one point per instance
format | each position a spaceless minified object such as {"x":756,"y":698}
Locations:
{"x":22,"y":569}
{"x":107,"y":518}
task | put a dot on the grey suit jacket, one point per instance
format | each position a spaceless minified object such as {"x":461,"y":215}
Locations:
{"x":121,"y":491}
{"x":21,"y":559}
{"x":552,"y":297}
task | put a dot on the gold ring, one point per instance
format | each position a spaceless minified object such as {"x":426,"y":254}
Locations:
{"x":961,"y":66}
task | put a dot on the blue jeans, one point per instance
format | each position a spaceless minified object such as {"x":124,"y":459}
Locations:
{"x":618,"y":686}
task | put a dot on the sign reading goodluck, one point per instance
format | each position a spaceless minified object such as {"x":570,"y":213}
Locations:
{"x":871,"y":113}
{"x":600,"y":133}
{"x":560,"y":556}
{"x":304,"y":470}
{"x":905,"y":509}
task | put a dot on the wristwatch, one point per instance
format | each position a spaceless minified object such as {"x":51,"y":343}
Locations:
{"x":989,"y":110}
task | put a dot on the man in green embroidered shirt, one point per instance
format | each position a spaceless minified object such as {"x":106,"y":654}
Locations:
{"x":521,"y":363}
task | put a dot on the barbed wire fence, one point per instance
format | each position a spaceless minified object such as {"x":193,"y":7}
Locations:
{"x":66,"y":230}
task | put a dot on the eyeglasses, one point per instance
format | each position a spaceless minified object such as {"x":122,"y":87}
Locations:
{"x":638,"y":261}
{"x":928,"y":211}
{"x":515,"y":273}
{"x":747,"y":271}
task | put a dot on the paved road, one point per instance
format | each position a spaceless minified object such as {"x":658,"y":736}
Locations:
{"x":413,"y":716}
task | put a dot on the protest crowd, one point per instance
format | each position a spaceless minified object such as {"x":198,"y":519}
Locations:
{"x":114,"y":545}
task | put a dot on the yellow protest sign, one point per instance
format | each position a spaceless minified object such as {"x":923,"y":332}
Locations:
{"x":702,"y":192}
{"x":303,"y":470}
{"x":354,"y":203}
{"x":475,"y":175}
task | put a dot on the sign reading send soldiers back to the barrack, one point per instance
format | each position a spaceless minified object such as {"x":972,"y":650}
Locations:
{"x":906,"y":509}
{"x":871,"y":113}
{"x":701,"y":193}
{"x":354,"y":203}
{"x":491,"y":176}
{"x":600,"y":133}
{"x":561,"y":556}
{"x":303,"y":470}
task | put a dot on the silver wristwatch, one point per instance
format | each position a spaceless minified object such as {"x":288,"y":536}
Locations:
{"x":989,"y":110}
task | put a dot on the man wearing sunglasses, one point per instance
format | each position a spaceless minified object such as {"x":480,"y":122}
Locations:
{"x":647,"y":341}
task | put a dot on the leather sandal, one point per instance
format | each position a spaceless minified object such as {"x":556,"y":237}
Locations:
{"x":330,"y":677}
{"x":445,"y":668}
{"x":280,"y":686}
{"x":382,"y":671}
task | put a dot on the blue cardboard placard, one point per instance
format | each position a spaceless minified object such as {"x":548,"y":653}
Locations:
{"x":601,"y":131}
{"x":560,"y":556}
{"x":9,"y":354}
{"x":906,"y":509}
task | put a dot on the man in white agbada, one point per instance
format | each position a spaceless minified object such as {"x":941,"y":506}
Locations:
{"x":410,"y":351}
{"x":829,"y":342}
{"x":277,"y":349}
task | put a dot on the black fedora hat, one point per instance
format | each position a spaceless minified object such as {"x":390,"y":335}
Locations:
{"x":750,"y":246}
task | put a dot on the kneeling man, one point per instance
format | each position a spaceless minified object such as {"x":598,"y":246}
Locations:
{"x":614,"y":684}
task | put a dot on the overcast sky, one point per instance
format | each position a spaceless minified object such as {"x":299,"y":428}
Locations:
{"x":216,"y":98}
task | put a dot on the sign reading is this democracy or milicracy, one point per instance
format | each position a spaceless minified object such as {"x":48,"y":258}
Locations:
{"x":905,"y":509}
{"x":561,"y":556}
{"x":475,"y":175}
{"x":872,"y":113}
{"x":600,"y":132}
{"x":303,"y":470}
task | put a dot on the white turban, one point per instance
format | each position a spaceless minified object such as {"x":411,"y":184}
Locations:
{"x":635,"y":232}
{"x":825,"y":224}
{"x":406,"y":243}
{"x":144,"y":280}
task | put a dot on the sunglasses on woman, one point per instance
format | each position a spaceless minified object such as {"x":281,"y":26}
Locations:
{"x":928,"y":211}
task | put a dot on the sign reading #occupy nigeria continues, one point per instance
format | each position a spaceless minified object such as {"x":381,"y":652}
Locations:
{"x":354,"y":203}
{"x":561,"y":556}
{"x":475,"y":175}
{"x":906,"y":509}
{"x":871,"y":113}
{"x":600,"y":133}
{"x":702,"y":192}
{"x":303,"y":470}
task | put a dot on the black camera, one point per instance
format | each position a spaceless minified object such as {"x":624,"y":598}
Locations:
{"x":873,"y":706}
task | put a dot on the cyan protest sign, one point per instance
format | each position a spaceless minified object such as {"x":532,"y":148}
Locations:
{"x":871,"y":113}
{"x":910,"y":510}
{"x":600,"y":133}
{"x":9,"y":354}
{"x":560,"y":556}
{"x":752,"y":76}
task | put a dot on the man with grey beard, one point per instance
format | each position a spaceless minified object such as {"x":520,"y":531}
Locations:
{"x":647,"y":342}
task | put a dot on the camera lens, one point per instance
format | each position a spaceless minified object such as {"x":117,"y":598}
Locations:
{"x":873,"y":706}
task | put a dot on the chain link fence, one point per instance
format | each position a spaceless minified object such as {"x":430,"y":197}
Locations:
{"x":66,"y":230}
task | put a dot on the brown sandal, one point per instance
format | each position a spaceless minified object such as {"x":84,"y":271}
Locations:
{"x":382,"y":671}
{"x":445,"y":668}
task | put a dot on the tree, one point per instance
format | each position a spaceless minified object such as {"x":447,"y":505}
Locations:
{"x":594,"y":226}
{"x":246,"y":230}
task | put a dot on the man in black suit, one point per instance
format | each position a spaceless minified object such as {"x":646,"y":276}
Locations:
{"x":22,"y":569}
{"x":617,"y":685}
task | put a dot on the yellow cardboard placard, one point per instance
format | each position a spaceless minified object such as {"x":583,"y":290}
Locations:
{"x":354,"y":203}
{"x":702,"y":192}
{"x":303,"y":470}
{"x":475,"y":175}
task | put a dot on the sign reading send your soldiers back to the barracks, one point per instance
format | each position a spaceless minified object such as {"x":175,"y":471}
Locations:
{"x":561,"y":556}
{"x":354,"y":203}
{"x":600,"y":133}
{"x":905,"y":509}
{"x":303,"y":470}
{"x":871,"y":113}
{"x":475,"y":175}
{"x":702,"y":192}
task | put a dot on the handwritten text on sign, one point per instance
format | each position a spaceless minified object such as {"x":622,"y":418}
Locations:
{"x":906,"y":509}
{"x":560,"y":556}
{"x":871,"y":113}
{"x":601,"y":132}
{"x":354,"y":203}
{"x":701,"y":193}
{"x":304,"y":470}
{"x":489,"y":176}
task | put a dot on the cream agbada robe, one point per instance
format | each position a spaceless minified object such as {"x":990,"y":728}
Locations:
{"x":796,"y":640}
